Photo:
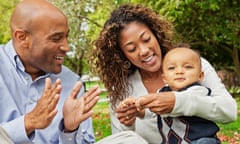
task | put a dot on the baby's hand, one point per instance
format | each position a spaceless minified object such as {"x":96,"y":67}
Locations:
{"x":130,"y":101}
{"x":138,"y":104}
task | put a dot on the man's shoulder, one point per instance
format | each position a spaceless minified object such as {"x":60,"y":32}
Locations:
{"x":67,"y":74}
{"x":65,"y":69}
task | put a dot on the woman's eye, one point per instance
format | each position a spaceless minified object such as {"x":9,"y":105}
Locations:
{"x":147,"y":39}
{"x":131,"y":49}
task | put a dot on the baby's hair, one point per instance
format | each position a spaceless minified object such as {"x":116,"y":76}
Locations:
{"x":184,"y":45}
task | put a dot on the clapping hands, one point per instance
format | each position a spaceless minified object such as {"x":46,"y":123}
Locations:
{"x":76,"y":110}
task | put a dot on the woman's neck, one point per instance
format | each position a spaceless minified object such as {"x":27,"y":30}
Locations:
{"x":150,"y":76}
{"x":152,"y":80}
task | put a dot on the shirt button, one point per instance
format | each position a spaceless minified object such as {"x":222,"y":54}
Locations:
{"x":69,"y":139}
{"x":31,"y":102}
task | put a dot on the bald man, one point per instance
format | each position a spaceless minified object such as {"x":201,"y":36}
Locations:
{"x":42,"y":101}
{"x":4,"y":138}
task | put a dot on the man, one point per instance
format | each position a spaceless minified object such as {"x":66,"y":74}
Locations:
{"x":32,"y":108}
{"x":4,"y":138}
{"x":41,"y":100}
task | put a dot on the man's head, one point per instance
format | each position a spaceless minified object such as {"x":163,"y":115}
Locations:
{"x":39,"y":33}
{"x":181,"y":67}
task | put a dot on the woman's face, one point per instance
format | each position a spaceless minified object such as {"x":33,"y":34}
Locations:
{"x":141,"y":47}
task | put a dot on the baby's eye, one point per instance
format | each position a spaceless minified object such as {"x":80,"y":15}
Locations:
{"x":171,"y":68}
{"x":188,"y":66}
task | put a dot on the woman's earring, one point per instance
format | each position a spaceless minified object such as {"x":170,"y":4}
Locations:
{"x":127,"y":64}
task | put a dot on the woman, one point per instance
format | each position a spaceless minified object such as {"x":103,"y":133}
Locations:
{"x":129,"y":52}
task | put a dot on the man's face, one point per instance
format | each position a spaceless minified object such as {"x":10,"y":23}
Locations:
{"x":47,"y":45}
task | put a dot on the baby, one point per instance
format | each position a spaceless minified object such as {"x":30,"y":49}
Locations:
{"x":182,"y":72}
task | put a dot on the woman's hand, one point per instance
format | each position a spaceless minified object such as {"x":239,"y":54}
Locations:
{"x":127,"y":112}
{"x":159,"y":103}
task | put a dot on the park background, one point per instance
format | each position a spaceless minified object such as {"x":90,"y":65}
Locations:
{"x":212,"y":27}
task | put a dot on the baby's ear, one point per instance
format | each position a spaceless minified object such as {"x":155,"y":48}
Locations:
{"x":201,"y":75}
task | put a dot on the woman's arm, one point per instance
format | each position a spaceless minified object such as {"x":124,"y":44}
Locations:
{"x":116,"y":126}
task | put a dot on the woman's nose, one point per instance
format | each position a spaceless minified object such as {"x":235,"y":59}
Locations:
{"x":143,"y":50}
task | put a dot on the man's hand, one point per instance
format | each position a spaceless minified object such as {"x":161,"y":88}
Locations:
{"x":45,"y":110}
{"x":76,"y":110}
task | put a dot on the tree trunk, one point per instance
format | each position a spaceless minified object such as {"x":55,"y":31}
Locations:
{"x":237,"y":64}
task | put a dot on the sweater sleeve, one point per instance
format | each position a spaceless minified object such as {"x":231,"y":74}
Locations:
{"x":116,"y":126}
{"x":16,"y":131}
{"x":219,"y":107}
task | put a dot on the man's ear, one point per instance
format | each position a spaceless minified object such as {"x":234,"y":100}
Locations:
{"x":22,"y":37}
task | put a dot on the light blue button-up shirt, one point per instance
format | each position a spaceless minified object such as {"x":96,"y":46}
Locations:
{"x":19,"y":95}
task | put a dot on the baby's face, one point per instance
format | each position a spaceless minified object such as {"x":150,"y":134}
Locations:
{"x":181,"y":67}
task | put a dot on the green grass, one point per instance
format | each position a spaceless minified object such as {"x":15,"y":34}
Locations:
{"x":230,"y":128}
{"x":231,"y":131}
{"x":101,"y":120}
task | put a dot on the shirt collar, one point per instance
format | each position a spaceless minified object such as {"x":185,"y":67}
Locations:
{"x":12,"y":54}
{"x":15,"y":59}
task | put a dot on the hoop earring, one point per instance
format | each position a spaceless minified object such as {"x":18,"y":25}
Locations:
{"x":127,"y":64}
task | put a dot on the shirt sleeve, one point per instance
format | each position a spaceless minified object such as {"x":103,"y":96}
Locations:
{"x":83,"y":135}
{"x":116,"y":126}
{"x":219,"y":107}
{"x":16,"y":131}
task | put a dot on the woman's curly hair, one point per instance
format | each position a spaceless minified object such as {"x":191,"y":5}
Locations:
{"x":109,"y":62}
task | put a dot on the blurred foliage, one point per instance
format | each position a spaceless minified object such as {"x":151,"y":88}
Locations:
{"x":210,"y":26}
{"x":77,"y":11}
{"x":234,"y":91}
{"x":6,"y":8}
